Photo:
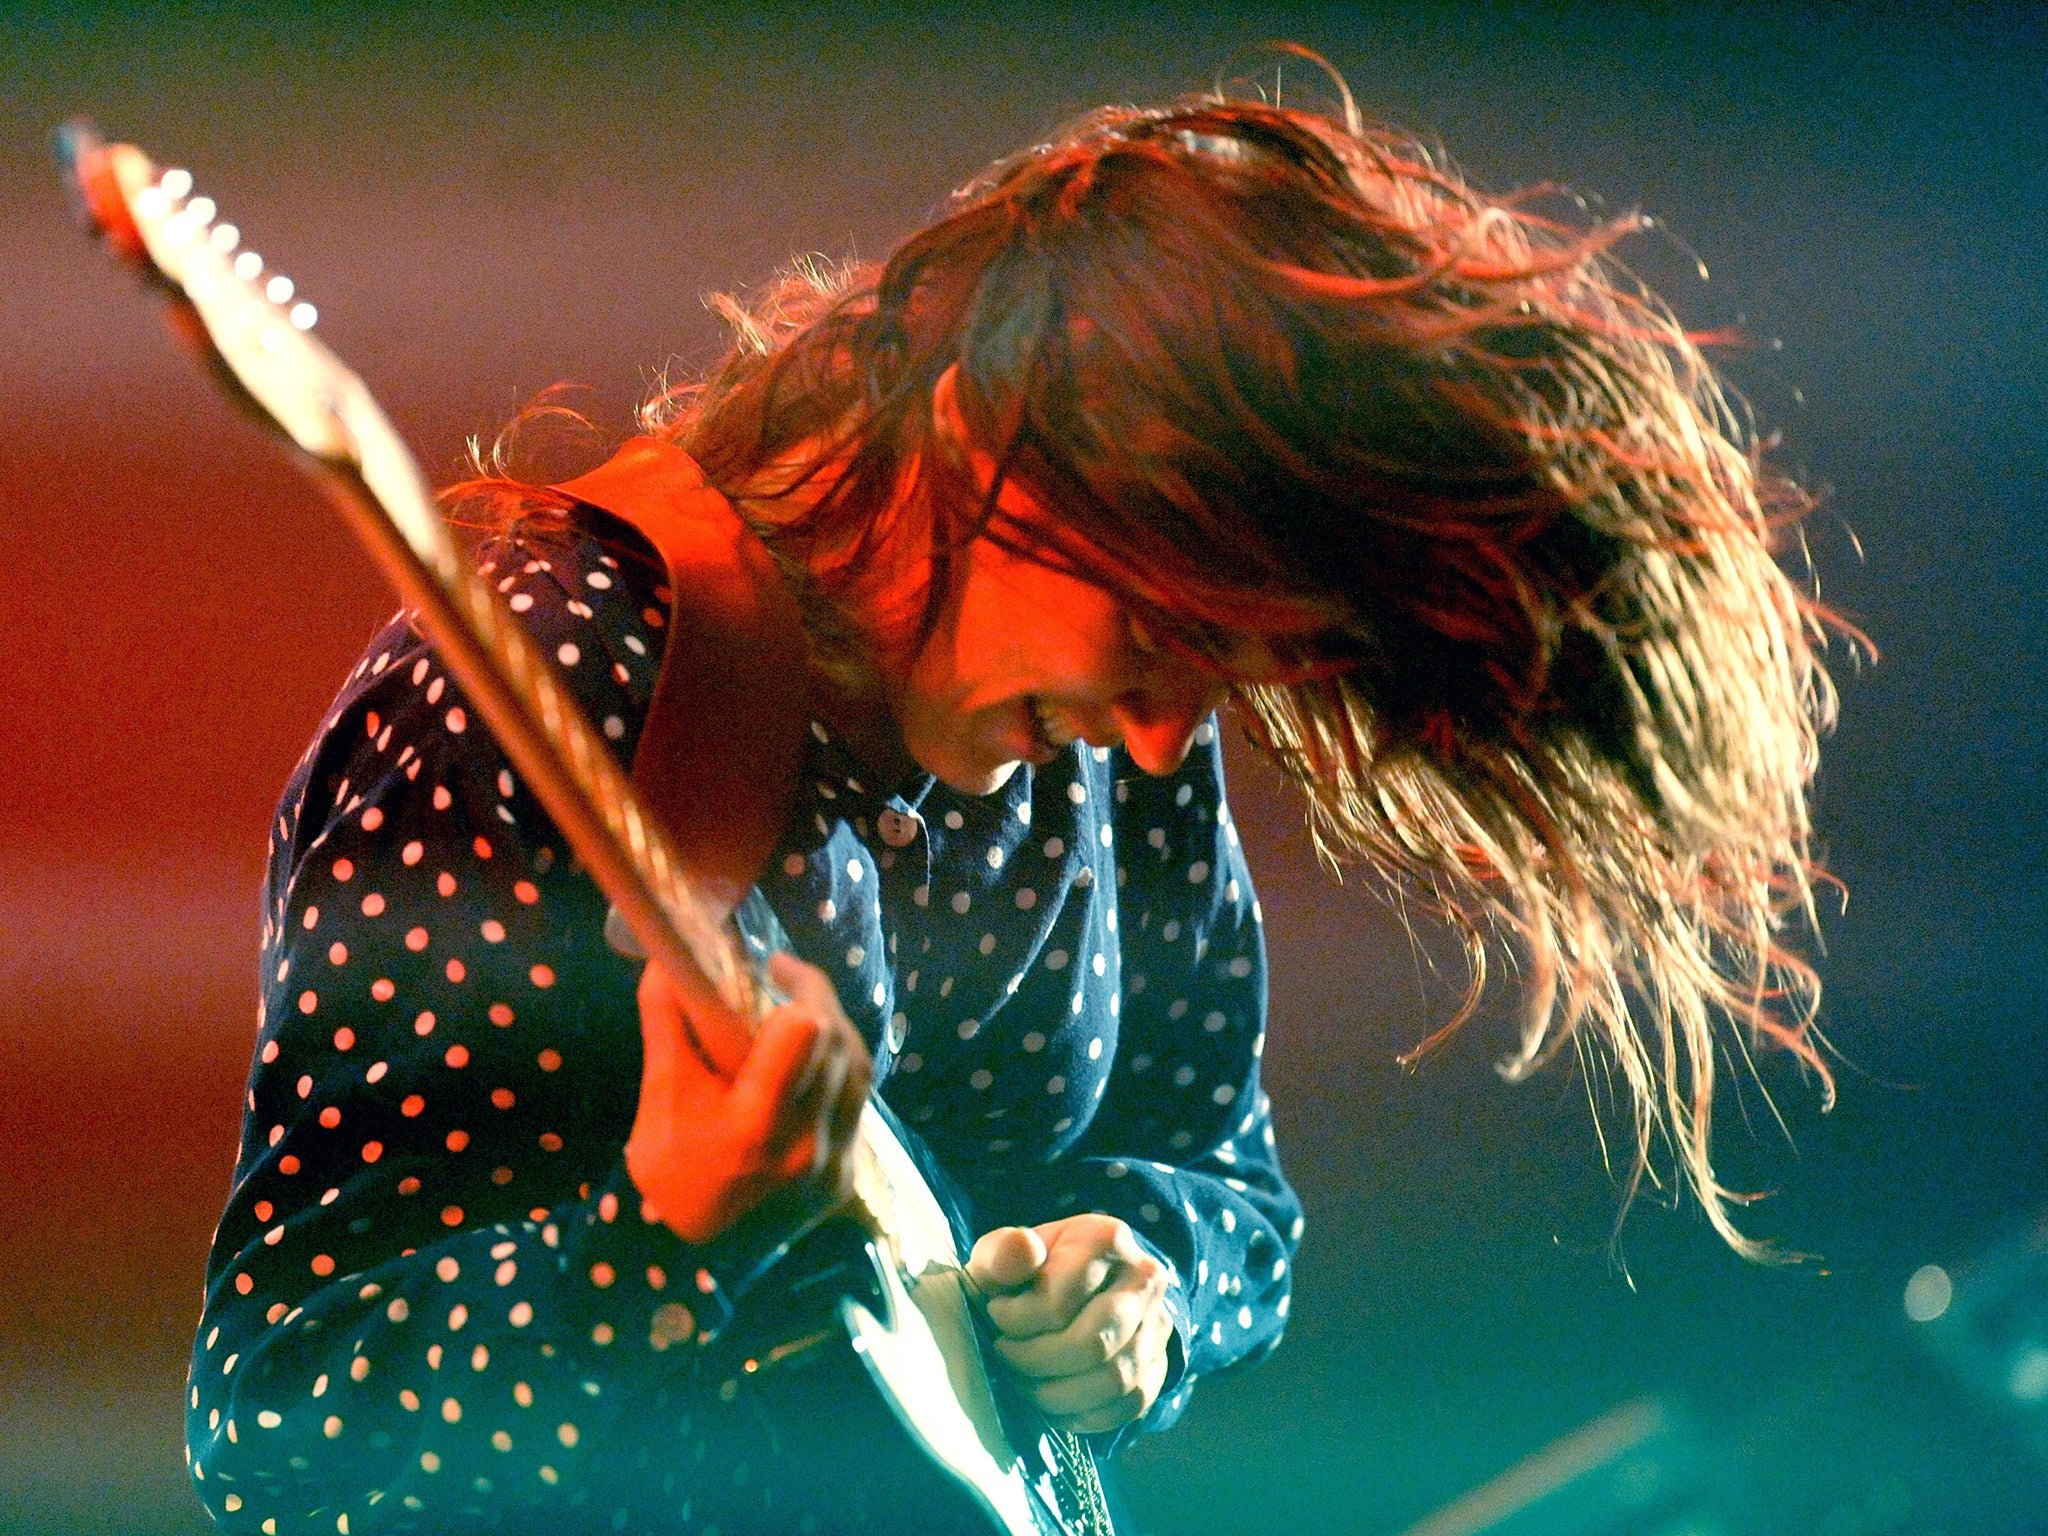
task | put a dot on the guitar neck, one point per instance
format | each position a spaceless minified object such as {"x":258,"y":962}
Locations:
{"x":264,"y":353}
{"x":548,"y":738}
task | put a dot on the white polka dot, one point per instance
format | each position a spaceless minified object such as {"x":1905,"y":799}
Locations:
{"x":1076,"y":793}
{"x":568,"y":654}
{"x":793,"y":864}
{"x":961,"y":901}
{"x":1198,"y":872}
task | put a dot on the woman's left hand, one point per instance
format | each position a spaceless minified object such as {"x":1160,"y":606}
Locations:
{"x":1080,"y":1312}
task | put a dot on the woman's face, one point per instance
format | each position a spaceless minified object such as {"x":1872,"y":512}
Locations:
{"x":1027,"y":659}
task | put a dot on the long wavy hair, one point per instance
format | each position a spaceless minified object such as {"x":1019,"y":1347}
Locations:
{"x":1285,"y":376}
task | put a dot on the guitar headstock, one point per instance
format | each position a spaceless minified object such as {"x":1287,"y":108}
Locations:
{"x":241,"y":315}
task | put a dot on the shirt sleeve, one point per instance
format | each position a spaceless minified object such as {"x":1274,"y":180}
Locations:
{"x":1182,"y":1146}
{"x":436,"y":1298}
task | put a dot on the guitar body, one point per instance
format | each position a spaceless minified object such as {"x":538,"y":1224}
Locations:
{"x":858,"y":1361}
{"x":842,"y":1458}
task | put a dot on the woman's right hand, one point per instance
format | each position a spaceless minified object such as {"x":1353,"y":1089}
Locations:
{"x":706,"y":1150}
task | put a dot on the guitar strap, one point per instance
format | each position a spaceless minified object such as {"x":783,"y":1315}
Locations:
{"x":722,"y":744}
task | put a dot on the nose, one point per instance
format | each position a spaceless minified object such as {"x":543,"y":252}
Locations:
{"x":1158,"y":724}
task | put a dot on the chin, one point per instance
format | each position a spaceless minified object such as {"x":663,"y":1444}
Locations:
{"x":969,"y":772}
{"x":977,"y":781}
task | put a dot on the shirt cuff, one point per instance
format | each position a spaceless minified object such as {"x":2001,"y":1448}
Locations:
{"x":635,"y":1265}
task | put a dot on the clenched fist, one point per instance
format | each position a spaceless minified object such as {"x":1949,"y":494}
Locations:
{"x":704,"y":1150}
{"x":1080,"y":1313}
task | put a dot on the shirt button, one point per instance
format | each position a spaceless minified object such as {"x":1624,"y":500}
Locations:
{"x":898,"y":828}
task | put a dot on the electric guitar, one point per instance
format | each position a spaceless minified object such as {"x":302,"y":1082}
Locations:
{"x":875,"y":1294}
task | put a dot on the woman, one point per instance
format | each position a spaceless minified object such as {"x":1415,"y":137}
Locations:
{"x":1222,"y":402}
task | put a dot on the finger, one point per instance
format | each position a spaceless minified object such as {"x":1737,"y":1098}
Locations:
{"x":784,"y":1056}
{"x":1081,"y":1256}
{"x":661,"y":1032}
{"x":1111,"y":1385}
{"x":1104,"y":1328}
{"x":805,"y":986}
{"x":1112,"y":1416}
{"x":671,"y":1063}
{"x":844,"y":1122}
{"x":1116,"y":1392}
{"x":815,"y":1112}
{"x":1004,"y":1259}
{"x":820,"y":1121}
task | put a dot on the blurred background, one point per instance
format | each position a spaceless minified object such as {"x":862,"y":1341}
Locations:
{"x":484,"y":201}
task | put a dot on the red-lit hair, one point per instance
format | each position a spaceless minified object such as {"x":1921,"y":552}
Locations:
{"x":1279,"y":375}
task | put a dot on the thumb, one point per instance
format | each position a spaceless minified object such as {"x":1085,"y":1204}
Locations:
{"x":1006,"y":1258}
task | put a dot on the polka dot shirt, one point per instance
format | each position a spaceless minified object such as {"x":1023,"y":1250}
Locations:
{"x":435,"y":1301}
